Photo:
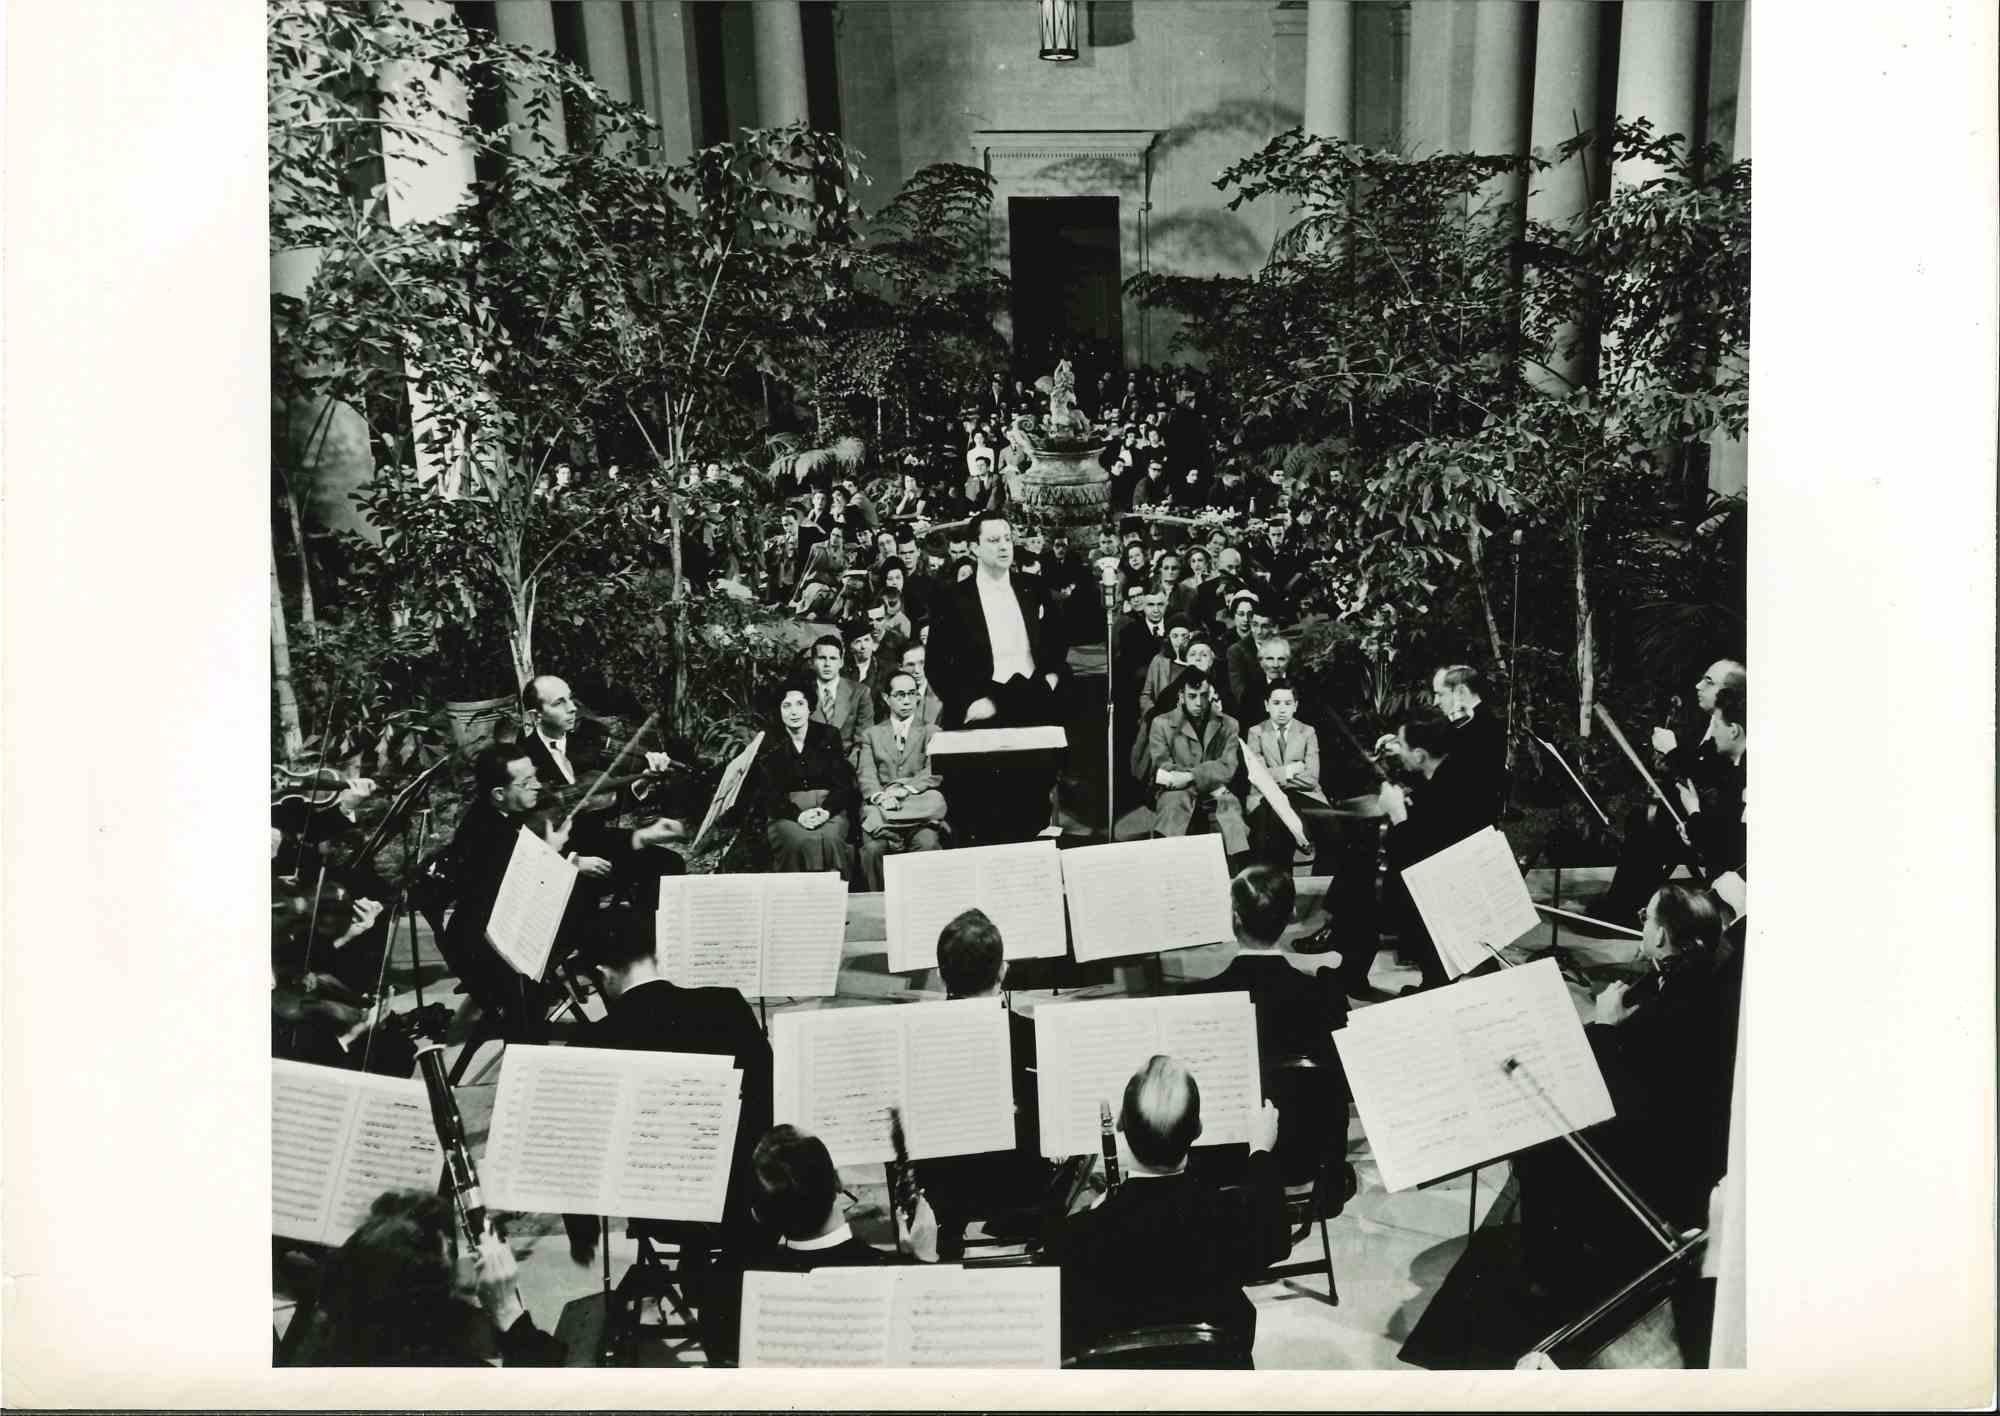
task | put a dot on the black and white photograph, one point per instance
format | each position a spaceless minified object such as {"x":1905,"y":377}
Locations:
{"x":1049,"y":687}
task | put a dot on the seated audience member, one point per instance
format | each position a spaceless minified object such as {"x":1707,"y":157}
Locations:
{"x":1165,"y":1247}
{"x":1291,"y":750}
{"x":1297,"y":1013}
{"x":804,"y":781}
{"x":820,"y":576}
{"x":1002,"y":1188}
{"x":1165,"y":666}
{"x":388,"y":1299}
{"x":1194,"y":753}
{"x":839,"y":702}
{"x":902,"y":808}
{"x":929,"y":707}
{"x":895,"y":618}
{"x":647,"y":1012}
{"x":1198,"y":654}
{"x":1660,"y":1044}
{"x":1241,"y":664}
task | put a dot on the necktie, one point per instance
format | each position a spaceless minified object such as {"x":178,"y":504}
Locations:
{"x":826,"y":702}
{"x":1281,"y":747}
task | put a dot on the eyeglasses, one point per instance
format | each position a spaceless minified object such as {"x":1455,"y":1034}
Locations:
{"x":902,"y":693}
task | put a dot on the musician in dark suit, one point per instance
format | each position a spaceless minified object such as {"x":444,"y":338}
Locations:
{"x":997,"y":659}
{"x":1297,"y":1013}
{"x":646,"y":1012}
{"x":1002,"y":1187}
{"x":1165,"y":1247}
{"x":1452,"y":801}
{"x":801,"y":1205}
{"x":565,"y":754}
{"x":508,"y":793}
{"x":1482,"y":739}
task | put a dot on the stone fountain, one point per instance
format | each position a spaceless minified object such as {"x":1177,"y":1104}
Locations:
{"x":1064,"y":485}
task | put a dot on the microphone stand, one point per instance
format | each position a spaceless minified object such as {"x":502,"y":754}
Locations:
{"x":1107,"y":584}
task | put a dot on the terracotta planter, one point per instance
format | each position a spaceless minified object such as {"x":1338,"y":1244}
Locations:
{"x":473,"y":721}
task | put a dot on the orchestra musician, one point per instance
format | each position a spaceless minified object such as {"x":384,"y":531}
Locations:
{"x":564,"y":756}
{"x":508,"y":797}
{"x":1703,"y":773}
{"x":1455,"y":689}
{"x":1167,"y":1247}
{"x":1452,"y":801}
{"x":997,"y":659}
{"x":998,"y":1187}
{"x":1660,"y":1044}
{"x":647,"y":1012}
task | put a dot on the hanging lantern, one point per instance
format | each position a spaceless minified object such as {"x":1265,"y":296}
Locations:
{"x":1058,"y":30}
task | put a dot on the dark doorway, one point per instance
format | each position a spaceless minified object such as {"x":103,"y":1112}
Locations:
{"x":1065,"y":274}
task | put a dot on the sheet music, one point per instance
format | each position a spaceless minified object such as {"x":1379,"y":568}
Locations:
{"x":830,"y":1317}
{"x":948,"y":1316}
{"x":710,"y":931}
{"x":727,"y":790}
{"x":840,"y":1070}
{"x":1019,"y":886}
{"x":529,"y":909}
{"x":680,"y":1136}
{"x":959,"y":1095}
{"x":1084,"y":1054}
{"x":1734,"y":891}
{"x":1470,"y":893}
{"x":805,"y":924}
{"x":584,"y":1130}
{"x":763,"y":935}
{"x":948,"y":1065}
{"x":338,"y":1140}
{"x":1040,"y":738}
{"x":1430,"y":1078}
{"x":1214,"y":1035}
{"x":1139,"y":897}
{"x":944,"y":1316}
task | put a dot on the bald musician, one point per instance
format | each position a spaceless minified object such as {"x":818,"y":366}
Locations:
{"x":1166,"y":1247}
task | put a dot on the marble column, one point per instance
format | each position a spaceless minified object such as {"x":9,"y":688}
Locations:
{"x":532,"y":24}
{"x":1659,"y":76}
{"x":1565,"y":99}
{"x":425,"y":184}
{"x":1329,"y":106}
{"x":604,"y":48}
{"x":1729,"y":458}
{"x":1499,"y":90}
{"x":1427,"y":81}
{"x":781,"y":63}
{"x":675,"y":78}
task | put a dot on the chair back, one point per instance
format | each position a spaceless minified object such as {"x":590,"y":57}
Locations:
{"x":1178,"y":1345}
{"x":1312,"y":1116}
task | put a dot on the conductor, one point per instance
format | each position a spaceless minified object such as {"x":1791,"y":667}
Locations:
{"x":997,"y":659}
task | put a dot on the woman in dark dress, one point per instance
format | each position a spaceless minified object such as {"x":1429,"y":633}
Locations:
{"x":806,"y":786}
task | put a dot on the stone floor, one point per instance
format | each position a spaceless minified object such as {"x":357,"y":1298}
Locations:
{"x":1391,"y":1252}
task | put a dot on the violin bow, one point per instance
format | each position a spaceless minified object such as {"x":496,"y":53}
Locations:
{"x":1355,"y":743}
{"x":1611,"y":726}
{"x":610,"y":767}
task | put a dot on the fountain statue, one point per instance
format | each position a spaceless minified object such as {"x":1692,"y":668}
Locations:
{"x":1064,"y":485}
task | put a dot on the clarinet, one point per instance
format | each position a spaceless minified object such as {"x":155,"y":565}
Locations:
{"x":904,"y":1180}
{"x":1109,"y":1138}
{"x":459,"y":1171}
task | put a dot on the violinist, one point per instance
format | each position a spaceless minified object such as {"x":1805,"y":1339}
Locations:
{"x":561,"y":759}
{"x":1455,"y":689}
{"x":1703,"y":773}
{"x":1450,"y":803}
{"x":507,"y":796}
